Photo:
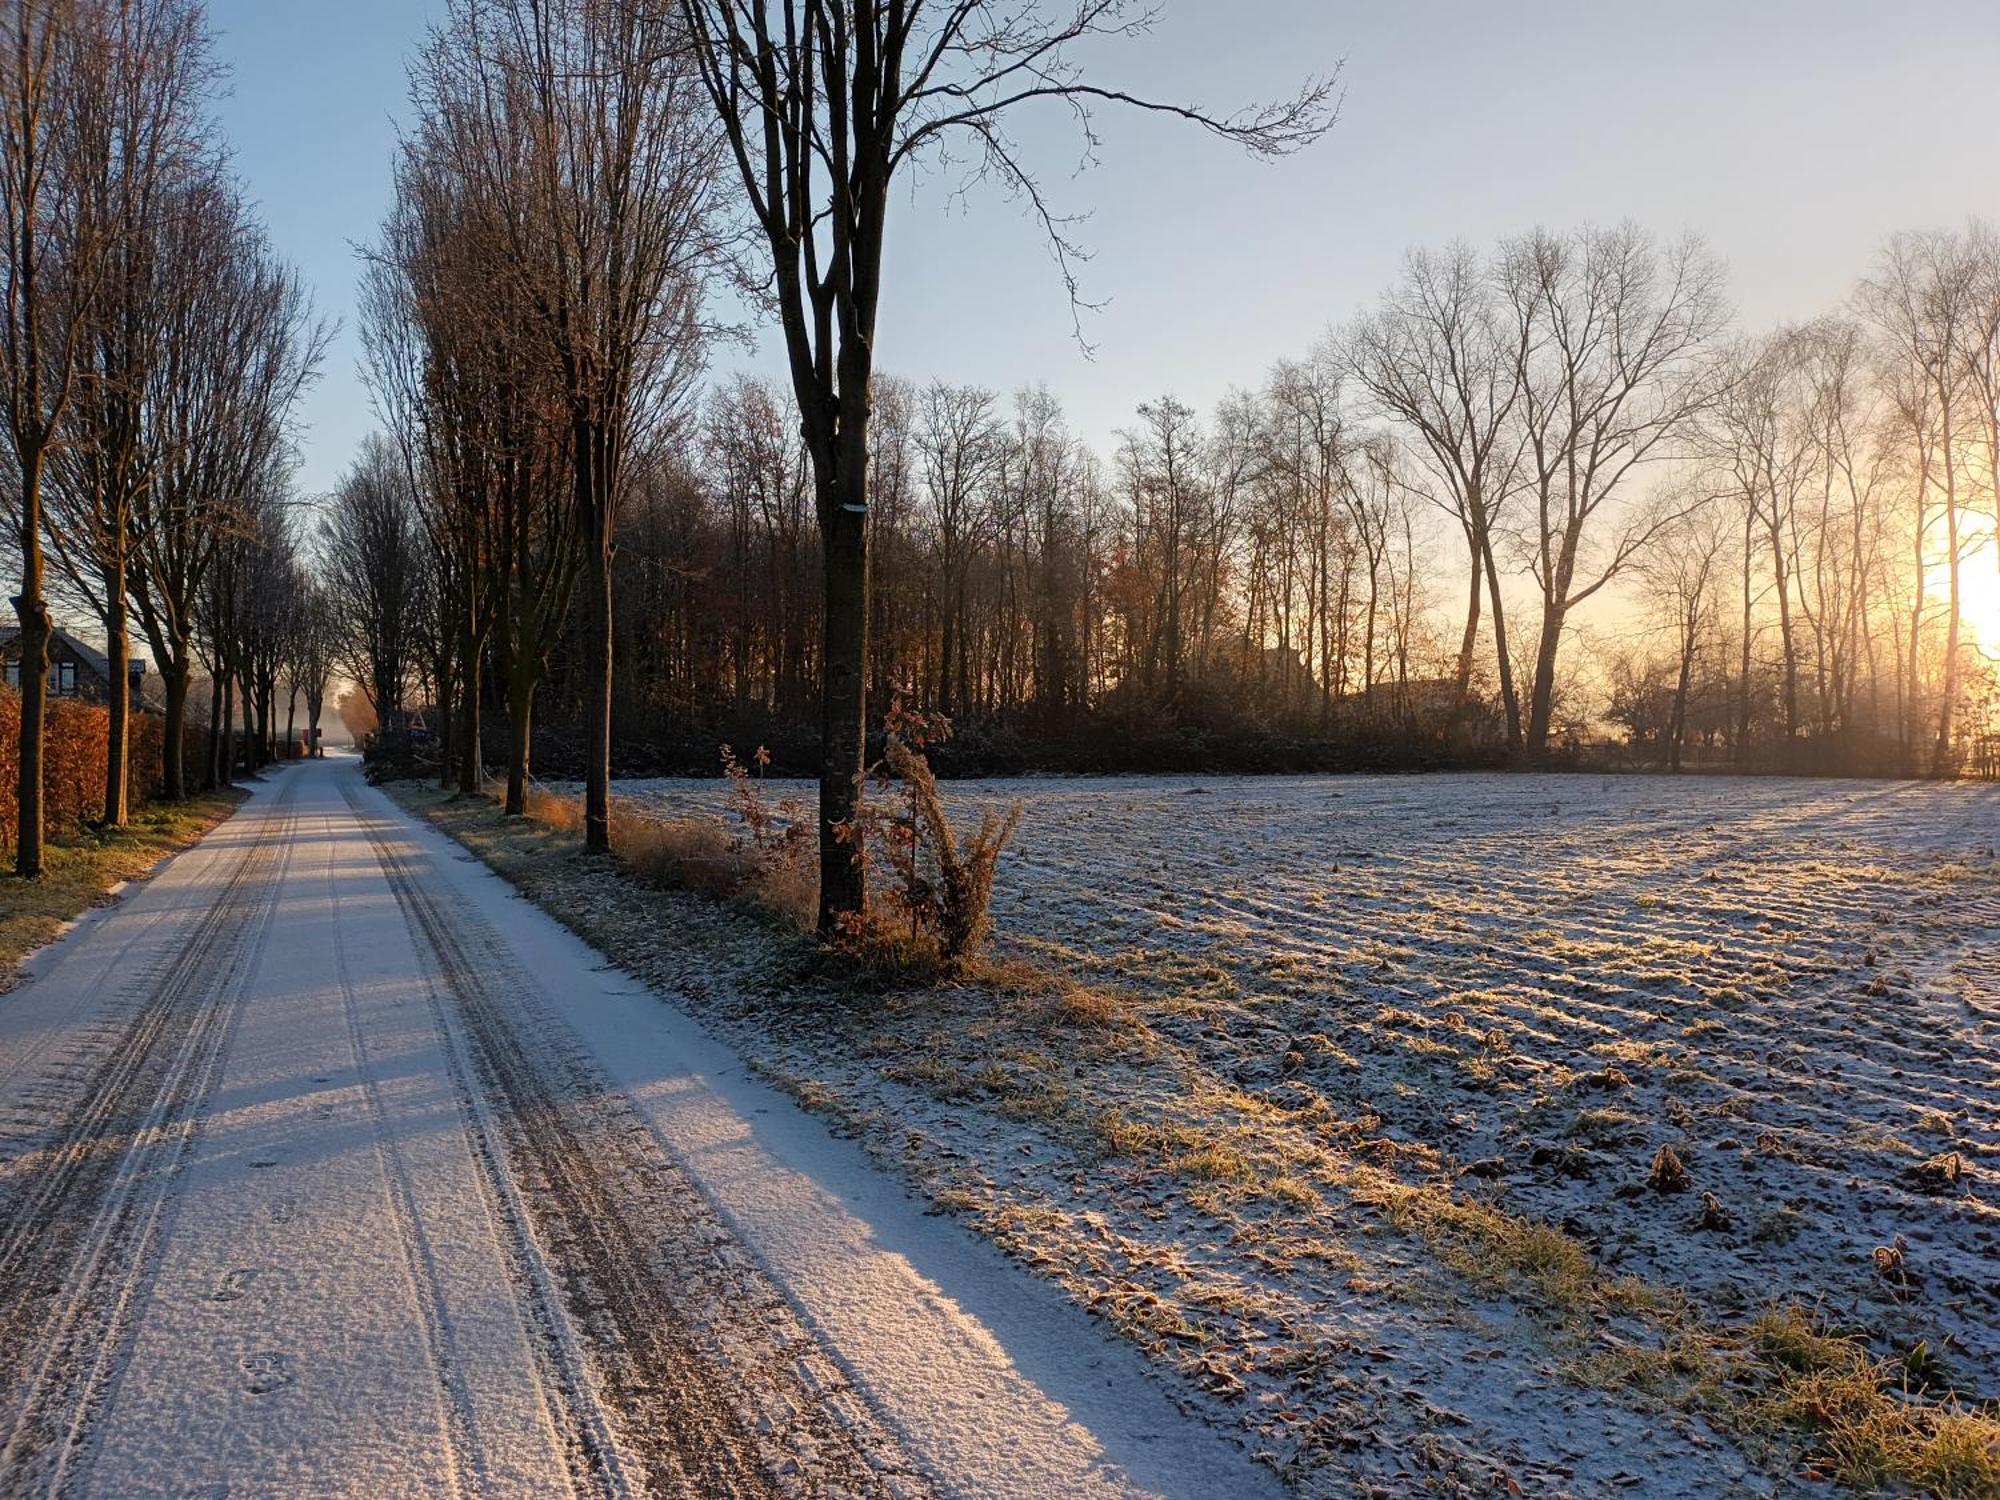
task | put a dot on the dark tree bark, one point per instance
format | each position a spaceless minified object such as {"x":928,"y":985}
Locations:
{"x":820,"y":106}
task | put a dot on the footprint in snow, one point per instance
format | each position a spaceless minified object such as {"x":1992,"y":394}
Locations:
{"x":265,"y":1371}
{"x":234,"y":1284}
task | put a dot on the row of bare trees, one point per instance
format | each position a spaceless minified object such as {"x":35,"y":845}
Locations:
{"x":1274,"y":560}
{"x":153,"y":350}
{"x":580,"y":174}
{"x":1772,"y":519}
{"x":533,"y":324}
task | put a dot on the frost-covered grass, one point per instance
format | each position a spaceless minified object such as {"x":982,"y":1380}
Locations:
{"x":1454,"y":1132}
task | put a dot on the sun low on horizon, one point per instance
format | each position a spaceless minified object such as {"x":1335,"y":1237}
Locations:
{"x":657,"y":843}
{"x":1979,"y":597}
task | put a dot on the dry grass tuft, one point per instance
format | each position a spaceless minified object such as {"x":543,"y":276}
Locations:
{"x":1939,"y":1174}
{"x":928,"y":920}
{"x":1491,"y":1247}
{"x":564,"y":814}
{"x":1867,"y":1428}
{"x":679,"y":854}
{"x":1669,"y":1173}
{"x":768,"y":865}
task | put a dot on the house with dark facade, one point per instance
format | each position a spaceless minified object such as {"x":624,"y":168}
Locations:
{"x":76,"y":669}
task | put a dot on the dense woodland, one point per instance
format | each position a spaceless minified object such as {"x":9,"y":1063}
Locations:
{"x":1543,"y":501}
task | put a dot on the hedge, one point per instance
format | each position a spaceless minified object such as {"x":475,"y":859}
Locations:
{"x":73,"y":750}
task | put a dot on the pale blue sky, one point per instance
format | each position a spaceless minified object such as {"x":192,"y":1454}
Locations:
{"x":1795,"y":135}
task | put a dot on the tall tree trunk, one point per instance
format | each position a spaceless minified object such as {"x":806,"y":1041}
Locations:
{"x":469,"y":764}
{"x":1542,"y":691}
{"x":33,"y":612}
{"x":1677,"y":729}
{"x":442,"y":712}
{"x":1742,"y":726}
{"x":1509,"y":700}
{"x":843,"y":884}
{"x":1786,"y":640}
{"x":118,"y":729}
{"x":173,"y":733}
{"x":213,"y":776}
{"x":225,"y":774}
{"x":1943,"y":756}
{"x":1470,"y":641}
{"x":520,"y":731}
{"x":949,"y":658}
{"x":260,"y":744}
{"x":593,"y":479}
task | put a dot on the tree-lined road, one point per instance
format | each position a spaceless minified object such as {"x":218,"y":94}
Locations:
{"x":311,"y":1188}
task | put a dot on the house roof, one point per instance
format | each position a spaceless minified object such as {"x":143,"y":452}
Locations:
{"x":82,"y":649}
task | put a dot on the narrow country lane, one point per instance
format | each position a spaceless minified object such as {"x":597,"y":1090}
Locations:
{"x":328,"y":1167}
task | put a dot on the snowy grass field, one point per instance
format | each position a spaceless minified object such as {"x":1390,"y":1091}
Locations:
{"x":1463,"y":1134}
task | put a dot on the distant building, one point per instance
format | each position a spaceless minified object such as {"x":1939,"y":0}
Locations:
{"x":76,"y":669}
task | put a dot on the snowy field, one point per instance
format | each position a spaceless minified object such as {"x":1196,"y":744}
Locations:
{"x":1521,"y":988}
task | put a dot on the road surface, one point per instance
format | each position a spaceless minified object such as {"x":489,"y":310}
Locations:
{"x":329,"y":1167}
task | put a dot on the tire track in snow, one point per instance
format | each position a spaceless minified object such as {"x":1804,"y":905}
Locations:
{"x":78,"y":1242}
{"x":467,"y":1466}
{"x":732,"y":1398}
{"x":590,"y":1448}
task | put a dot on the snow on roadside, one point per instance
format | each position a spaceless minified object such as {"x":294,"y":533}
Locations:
{"x":1521,"y":988}
{"x":990,"y":1381}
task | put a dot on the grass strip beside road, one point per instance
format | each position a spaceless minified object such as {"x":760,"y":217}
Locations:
{"x":81,"y":869}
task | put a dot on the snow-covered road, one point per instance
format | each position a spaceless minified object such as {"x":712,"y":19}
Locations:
{"x":329,"y":1167}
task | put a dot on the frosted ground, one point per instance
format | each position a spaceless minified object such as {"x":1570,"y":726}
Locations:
{"x":1515,"y":988}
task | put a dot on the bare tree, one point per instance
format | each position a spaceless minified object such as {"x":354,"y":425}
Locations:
{"x":958,"y":442}
{"x":52,"y":83}
{"x":316,"y":652}
{"x":582,"y":121}
{"x":1439,"y":358}
{"x":136,"y":148}
{"x":1760,"y":435}
{"x":1681,"y":572}
{"x":372,"y":545}
{"x":1924,"y":298}
{"x":1612,"y":334}
{"x":822,"y":105}
{"x":1980,"y":353}
{"x":239,"y":344}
